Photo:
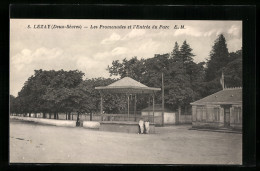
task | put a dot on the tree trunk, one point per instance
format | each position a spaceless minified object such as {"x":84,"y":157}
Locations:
{"x":91,"y":116}
{"x":66,"y":115}
{"x":44,"y":115}
{"x":57,"y":115}
{"x":29,"y":114}
{"x":72,"y":116}
{"x":35,"y":115}
{"x":78,"y":122}
{"x":69,"y":116}
{"x":49,"y":115}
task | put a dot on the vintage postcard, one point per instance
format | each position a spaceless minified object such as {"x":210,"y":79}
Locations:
{"x":114,"y":91}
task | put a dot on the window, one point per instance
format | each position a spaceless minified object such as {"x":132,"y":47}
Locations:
{"x":204,"y":115}
{"x":238,"y":114}
{"x":199,"y":113}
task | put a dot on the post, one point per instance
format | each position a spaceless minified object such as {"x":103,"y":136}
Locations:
{"x":179,"y":115}
{"x":101,"y":107}
{"x":153,"y":107}
{"x":135,"y":108}
{"x":128,"y":106}
{"x":162,"y":101}
{"x":149,"y":108}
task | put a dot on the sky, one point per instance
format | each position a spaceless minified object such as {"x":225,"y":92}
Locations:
{"x":92,"y":50}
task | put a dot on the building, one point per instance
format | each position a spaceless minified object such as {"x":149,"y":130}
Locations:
{"x":219,"y":110}
{"x":169,"y":116}
{"x":129,"y":87}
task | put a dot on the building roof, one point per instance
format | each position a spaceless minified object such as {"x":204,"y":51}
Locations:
{"x":226,"y":96}
{"x":127,"y":81}
{"x":127,"y":85}
{"x":157,"y":107}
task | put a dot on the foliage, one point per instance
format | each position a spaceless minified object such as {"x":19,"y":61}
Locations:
{"x":233,"y":70}
{"x":184,"y":82}
{"x":13,"y":106}
{"x":218,"y":58}
{"x":181,"y":74}
{"x":222,"y":61}
{"x":113,"y":103}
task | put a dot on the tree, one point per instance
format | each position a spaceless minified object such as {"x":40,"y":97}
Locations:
{"x":233,"y":70}
{"x":219,"y":57}
{"x":175,"y":54}
{"x":63,"y":91}
{"x":133,"y":68}
{"x":13,"y":107}
{"x":182,"y":76}
{"x":49,"y":92}
{"x":186,"y":53}
{"x":28,"y":96}
{"x":113,"y":103}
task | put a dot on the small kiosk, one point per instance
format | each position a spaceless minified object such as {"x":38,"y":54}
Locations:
{"x":130,"y":87}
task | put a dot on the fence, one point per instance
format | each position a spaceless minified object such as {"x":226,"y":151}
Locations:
{"x":124,"y":117}
{"x":86,"y":117}
{"x":183,"y":119}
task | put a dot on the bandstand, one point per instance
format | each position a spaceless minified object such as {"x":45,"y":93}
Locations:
{"x":130,"y":87}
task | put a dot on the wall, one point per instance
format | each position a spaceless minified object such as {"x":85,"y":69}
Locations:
{"x":47,"y":121}
{"x":123,"y":127}
{"x":207,"y":116}
{"x":169,"y":118}
{"x":91,"y":124}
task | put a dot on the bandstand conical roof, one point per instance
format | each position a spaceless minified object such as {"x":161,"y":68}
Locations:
{"x":127,"y":85}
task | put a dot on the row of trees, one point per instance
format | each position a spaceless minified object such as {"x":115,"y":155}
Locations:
{"x":54,"y":92}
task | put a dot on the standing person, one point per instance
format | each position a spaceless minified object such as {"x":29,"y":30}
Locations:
{"x":147,"y":127}
{"x":141,"y":125}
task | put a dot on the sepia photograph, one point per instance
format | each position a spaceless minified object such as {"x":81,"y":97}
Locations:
{"x":118,"y":91}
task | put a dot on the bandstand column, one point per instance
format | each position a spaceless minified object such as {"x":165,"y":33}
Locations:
{"x":128,"y":106}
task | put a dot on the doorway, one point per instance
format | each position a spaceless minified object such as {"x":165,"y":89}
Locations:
{"x":226,"y":116}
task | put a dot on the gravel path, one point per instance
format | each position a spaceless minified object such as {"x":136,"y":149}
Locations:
{"x":32,"y":143}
